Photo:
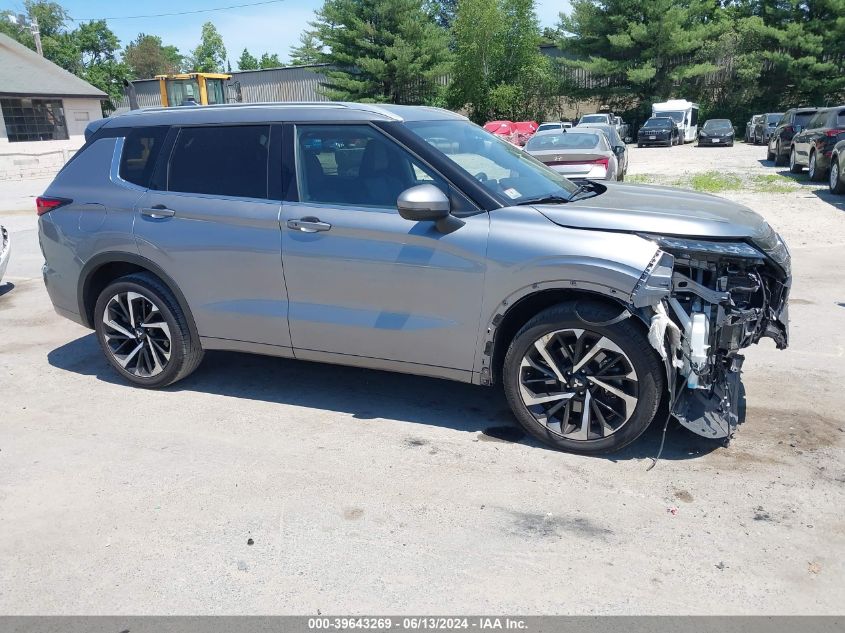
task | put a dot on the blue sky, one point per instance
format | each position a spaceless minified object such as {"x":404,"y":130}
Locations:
{"x":272,"y":28}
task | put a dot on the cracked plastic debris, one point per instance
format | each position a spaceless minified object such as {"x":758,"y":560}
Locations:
{"x":661,"y":325}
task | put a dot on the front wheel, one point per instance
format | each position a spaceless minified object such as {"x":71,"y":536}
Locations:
{"x":582,"y":384}
{"x":794,"y":167}
{"x":813,"y":170}
{"x":144,"y":333}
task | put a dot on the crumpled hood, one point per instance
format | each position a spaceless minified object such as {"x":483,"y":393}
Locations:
{"x":664,"y":210}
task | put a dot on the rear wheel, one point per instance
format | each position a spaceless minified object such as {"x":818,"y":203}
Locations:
{"x":779,"y":159}
{"x":813,"y":170}
{"x":835,"y":181}
{"x":770,"y":155}
{"x":144,"y":333}
{"x":794,"y":167}
{"x":580,"y":384}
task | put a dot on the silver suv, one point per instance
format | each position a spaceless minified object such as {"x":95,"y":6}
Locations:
{"x":409,"y":239}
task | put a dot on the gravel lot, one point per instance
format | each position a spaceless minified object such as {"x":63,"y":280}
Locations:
{"x":261,"y":485}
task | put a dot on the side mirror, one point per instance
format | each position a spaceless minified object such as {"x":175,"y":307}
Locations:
{"x":423,"y":203}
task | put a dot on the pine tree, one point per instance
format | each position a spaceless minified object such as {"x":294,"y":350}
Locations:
{"x":247,"y":61}
{"x":381,"y":50}
{"x":308,"y":51}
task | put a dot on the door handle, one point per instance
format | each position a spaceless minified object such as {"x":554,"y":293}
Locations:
{"x":158,"y":212}
{"x":308,"y":225}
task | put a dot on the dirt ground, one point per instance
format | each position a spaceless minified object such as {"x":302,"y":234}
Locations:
{"x":262,"y":485}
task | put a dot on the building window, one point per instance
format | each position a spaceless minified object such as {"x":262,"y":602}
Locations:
{"x":34,"y":119}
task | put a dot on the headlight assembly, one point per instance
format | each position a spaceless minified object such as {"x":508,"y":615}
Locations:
{"x":684,"y":245}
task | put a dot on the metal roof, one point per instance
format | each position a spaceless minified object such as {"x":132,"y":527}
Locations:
{"x":281,"y":112}
{"x":24,"y":72}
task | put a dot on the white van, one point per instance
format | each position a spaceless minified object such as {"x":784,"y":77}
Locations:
{"x":684,"y":113}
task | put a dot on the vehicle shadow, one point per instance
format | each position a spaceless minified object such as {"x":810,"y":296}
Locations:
{"x":6,"y":288}
{"x":368,"y":394}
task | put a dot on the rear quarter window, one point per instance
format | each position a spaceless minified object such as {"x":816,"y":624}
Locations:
{"x":140,"y":152}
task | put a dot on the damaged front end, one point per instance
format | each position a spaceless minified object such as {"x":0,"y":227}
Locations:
{"x":707,"y":300}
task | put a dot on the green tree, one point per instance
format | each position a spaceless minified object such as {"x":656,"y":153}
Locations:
{"x":308,"y":51}
{"x":247,"y":61}
{"x":210,"y":55}
{"x":499,"y":71}
{"x":381,"y":50}
{"x":147,"y":57}
{"x":269,"y":61}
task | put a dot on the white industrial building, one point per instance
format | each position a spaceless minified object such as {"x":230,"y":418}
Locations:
{"x":44,"y":110}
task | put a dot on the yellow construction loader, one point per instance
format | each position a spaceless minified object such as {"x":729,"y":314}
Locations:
{"x":193,"y":88}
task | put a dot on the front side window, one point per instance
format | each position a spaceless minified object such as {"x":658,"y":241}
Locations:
{"x":355,"y":165}
{"x":140,"y":150}
{"x":219,"y":160}
{"x":34,"y":120}
{"x":509,"y":173}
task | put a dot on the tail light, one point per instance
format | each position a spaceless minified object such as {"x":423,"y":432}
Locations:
{"x":44,"y":204}
{"x":598,"y":161}
{"x":834,"y":132}
{"x":788,"y":129}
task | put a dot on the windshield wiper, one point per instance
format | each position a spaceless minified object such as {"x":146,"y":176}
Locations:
{"x":545,"y":200}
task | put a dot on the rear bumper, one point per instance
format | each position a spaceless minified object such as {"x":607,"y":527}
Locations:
{"x":5,"y":251}
{"x":593,"y":172}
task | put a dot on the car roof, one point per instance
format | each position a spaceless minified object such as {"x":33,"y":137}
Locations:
{"x":280,"y":112}
{"x":575,"y":130}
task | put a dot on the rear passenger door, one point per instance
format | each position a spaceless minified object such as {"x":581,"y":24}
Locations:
{"x":212,"y":223}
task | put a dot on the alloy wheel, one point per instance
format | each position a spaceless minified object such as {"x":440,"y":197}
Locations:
{"x":811,"y":168}
{"x":136,"y":334}
{"x":579,"y":384}
{"x":834,"y":174}
{"x":792,"y":158}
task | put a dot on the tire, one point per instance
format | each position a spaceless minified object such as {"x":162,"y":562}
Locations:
{"x":625,"y":341}
{"x":835,"y":180}
{"x":779,"y":159}
{"x":813,"y":170}
{"x":161,"y":349}
{"x":794,"y":167}
{"x":770,"y":155}
{"x":639,"y":145}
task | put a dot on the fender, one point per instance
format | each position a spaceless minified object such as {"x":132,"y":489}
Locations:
{"x":119,"y":257}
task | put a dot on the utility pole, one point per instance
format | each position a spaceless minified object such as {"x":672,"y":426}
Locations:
{"x":36,"y":34}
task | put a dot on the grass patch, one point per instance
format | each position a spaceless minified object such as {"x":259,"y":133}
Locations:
{"x":714,"y":181}
{"x":643,"y":179}
{"x":773,"y":183}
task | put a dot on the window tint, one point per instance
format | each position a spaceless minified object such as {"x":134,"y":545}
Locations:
{"x":225,"y":161}
{"x":140,"y":151}
{"x":355,"y":165}
{"x":801,"y":118}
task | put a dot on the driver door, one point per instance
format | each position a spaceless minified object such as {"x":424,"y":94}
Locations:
{"x":364,"y":283}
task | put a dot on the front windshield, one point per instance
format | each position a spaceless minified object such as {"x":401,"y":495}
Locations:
{"x":661,"y":122}
{"x":677,"y":116}
{"x":774,"y":118}
{"x":717,"y":125}
{"x":565,"y":140}
{"x":506,"y":171}
{"x":594,"y":118}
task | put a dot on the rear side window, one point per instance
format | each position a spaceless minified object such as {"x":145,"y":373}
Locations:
{"x":140,"y":151}
{"x":222,"y":161}
{"x":801,"y":118}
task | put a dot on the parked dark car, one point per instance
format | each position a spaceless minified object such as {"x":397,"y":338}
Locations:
{"x":750,"y":125}
{"x":780,"y":142}
{"x":659,"y":130}
{"x":813,"y":146}
{"x":716,"y":132}
{"x":616,"y":142}
{"x":764,"y":127}
{"x":835,"y":178}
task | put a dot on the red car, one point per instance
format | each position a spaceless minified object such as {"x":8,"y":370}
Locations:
{"x":525,"y":130}
{"x":504,"y":129}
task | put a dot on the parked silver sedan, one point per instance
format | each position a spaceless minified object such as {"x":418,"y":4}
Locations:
{"x":576,"y":153}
